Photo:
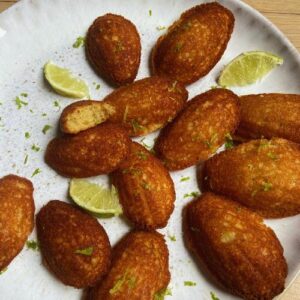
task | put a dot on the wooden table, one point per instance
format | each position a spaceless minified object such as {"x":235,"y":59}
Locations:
{"x":286,"y":15}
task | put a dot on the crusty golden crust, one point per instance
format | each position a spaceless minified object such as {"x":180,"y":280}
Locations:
{"x":140,"y":268}
{"x":261,"y":174}
{"x":237,"y":248}
{"x":62,"y":230}
{"x":16,"y":216}
{"x":96,"y":151}
{"x":82,"y":115}
{"x":141,"y":107}
{"x":193,"y":44}
{"x":146,"y":189}
{"x":270,"y":115}
{"x":199,"y":130}
{"x":113,"y":48}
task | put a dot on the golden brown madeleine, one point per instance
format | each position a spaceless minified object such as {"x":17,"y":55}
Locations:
{"x":145,"y":188}
{"x":193,"y":44}
{"x":96,"y":151}
{"x":199,"y":130}
{"x":16,"y":216}
{"x":270,"y":115}
{"x":74,"y":245}
{"x":140,"y":269}
{"x":141,"y":107}
{"x":236,"y":247}
{"x":113,"y":48}
{"x":147,"y":104}
{"x":261,"y":174}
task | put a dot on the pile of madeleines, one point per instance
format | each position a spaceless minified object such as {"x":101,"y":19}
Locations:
{"x":257,"y":177}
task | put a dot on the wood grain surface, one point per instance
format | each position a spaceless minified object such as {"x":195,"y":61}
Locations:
{"x":286,"y":16}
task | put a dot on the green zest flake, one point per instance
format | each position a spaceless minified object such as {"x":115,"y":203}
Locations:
{"x":254,"y":193}
{"x":185,"y":179}
{"x":192,"y":194}
{"x":3,"y":270}
{"x":130,"y":280}
{"x":152,"y":151}
{"x":178,"y":47}
{"x":35,"y":148}
{"x":136,"y":126}
{"x":172,"y":237}
{"x":213,"y":296}
{"x":266,"y":186}
{"x":162,"y":293}
{"x":79,"y":42}
{"x":46,"y":128}
{"x":187,"y":26}
{"x":85,"y":251}
{"x":27,"y":135}
{"x":189,"y":283}
{"x":228,"y":141}
{"x":117,"y":286}
{"x":44,"y":114}
{"x":35,"y":172}
{"x":150,"y":12}
{"x":24,"y":95}
{"x":173,"y":87}
{"x":125,"y":114}
{"x":131,"y":171}
{"x":272,"y":155}
{"x":98,"y":86}
{"x":20,"y":103}
{"x":31,"y":111}
{"x":146,"y":186}
{"x":238,"y":209}
{"x":144,"y":144}
{"x":119,"y":46}
{"x":26,"y":159}
{"x":161,"y":28}
{"x":264,"y":144}
{"x":209,"y":143}
{"x":1,"y":103}
{"x":142,"y":155}
{"x":56,"y":104}
{"x":33,"y":245}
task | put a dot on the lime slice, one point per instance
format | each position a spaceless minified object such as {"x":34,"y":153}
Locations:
{"x":248,"y":68}
{"x":64,"y":82}
{"x":104,"y":202}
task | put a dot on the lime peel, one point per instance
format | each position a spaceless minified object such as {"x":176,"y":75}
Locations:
{"x":104,"y":202}
{"x":248,"y":68}
{"x":64,"y":82}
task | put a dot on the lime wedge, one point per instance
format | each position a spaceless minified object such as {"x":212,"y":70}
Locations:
{"x":248,"y":68}
{"x":64,"y":82}
{"x":103,"y":202}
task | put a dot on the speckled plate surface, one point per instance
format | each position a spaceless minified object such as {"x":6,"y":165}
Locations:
{"x":33,"y":32}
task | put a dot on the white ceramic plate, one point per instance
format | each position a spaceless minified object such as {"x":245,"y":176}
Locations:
{"x":35,"y":31}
